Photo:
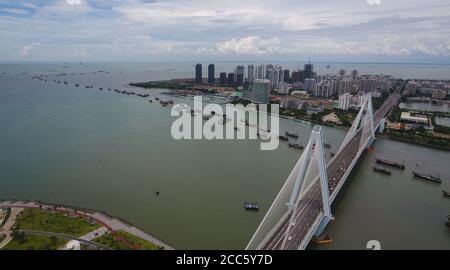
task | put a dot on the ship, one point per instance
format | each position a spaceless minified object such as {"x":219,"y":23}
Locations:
{"x":251,"y":206}
{"x":283,"y":138}
{"x":390,"y":163}
{"x":296,"y":145}
{"x":428,"y":177}
{"x":381,"y":170}
{"x":327,"y":145}
{"x":293,"y":135}
{"x":324,"y":238}
{"x":446,"y":193}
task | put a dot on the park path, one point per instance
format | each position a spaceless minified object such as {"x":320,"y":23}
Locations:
{"x":6,"y":229}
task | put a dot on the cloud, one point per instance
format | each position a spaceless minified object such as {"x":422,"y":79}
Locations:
{"x":17,"y":11}
{"x":26,"y":49}
{"x":74,"y":2}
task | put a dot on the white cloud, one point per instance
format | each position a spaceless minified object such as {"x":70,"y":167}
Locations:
{"x":26,"y":49}
{"x":74,"y":2}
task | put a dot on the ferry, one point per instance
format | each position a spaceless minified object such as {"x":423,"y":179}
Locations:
{"x":427,"y":177}
{"x":390,"y":163}
{"x":251,"y":206}
{"x":293,"y":135}
{"x":381,"y":170}
{"x":447,"y":194}
{"x":296,"y":145}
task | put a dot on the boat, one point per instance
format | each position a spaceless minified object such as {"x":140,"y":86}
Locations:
{"x":156,"y":98}
{"x":296,"y":145}
{"x":327,"y":145}
{"x":447,"y":194}
{"x":77,"y":85}
{"x":381,"y":170}
{"x":150,"y":101}
{"x":427,"y":177}
{"x":293,"y":135}
{"x":332,"y":154}
{"x":324,"y":238}
{"x":251,"y":206}
{"x":206,"y":117}
{"x":170,"y":101}
{"x":390,"y":163}
{"x":447,"y":223}
{"x":283,"y":138}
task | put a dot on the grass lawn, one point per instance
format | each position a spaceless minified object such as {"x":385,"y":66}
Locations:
{"x":34,"y":242}
{"x":36,"y":219}
{"x":111,"y":241}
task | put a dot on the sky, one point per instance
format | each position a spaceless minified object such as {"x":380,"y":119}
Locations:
{"x":232,"y":30}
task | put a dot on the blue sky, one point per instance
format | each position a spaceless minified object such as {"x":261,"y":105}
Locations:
{"x":232,"y":30}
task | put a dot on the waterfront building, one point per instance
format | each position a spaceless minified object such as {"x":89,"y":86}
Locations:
{"x":438,"y":94}
{"x":230,"y":79}
{"x":283,"y":88}
{"x":239,"y":75}
{"x":344,"y":101}
{"x":223,"y":78}
{"x":198,"y":73}
{"x":211,"y":74}
{"x":260,"y":91}
{"x":418,"y":119}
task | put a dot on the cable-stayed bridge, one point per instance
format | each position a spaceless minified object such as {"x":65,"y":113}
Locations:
{"x":302,"y":207}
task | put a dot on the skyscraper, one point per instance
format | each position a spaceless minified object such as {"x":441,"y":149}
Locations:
{"x":230,"y":79}
{"x":286,"y":75}
{"x":308,"y":71}
{"x":211,"y":73}
{"x":240,"y":75}
{"x":250,"y":73}
{"x":198,"y":73}
{"x":297,"y":76}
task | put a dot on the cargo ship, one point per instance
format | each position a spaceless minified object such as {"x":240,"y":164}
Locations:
{"x":390,"y":163}
{"x":295,"y":145}
{"x":381,"y":170}
{"x":428,"y":177}
{"x":293,"y":135}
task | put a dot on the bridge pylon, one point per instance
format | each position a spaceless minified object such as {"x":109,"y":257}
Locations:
{"x":365,"y":115}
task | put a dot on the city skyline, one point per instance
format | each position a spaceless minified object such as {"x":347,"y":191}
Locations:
{"x":137,"y":30}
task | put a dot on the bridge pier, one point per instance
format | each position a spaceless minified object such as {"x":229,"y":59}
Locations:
{"x":323,"y":225}
{"x":382,"y":125}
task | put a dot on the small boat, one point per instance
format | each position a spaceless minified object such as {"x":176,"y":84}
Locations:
{"x":381,"y":170}
{"x":251,"y":206}
{"x":283,"y":138}
{"x":293,"y":135}
{"x":156,"y":98}
{"x":427,"y":177}
{"x":390,"y":163}
{"x":296,"y":145}
{"x":206,"y":117}
{"x":77,"y":85}
{"x":157,"y":193}
{"x":324,"y":238}
{"x":150,"y":101}
{"x":170,"y":101}
{"x":447,"y":223}
{"x":332,"y":154}
{"x":327,"y":145}
{"x":447,"y":194}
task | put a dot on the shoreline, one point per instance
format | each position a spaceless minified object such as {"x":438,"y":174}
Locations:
{"x":112,"y":223}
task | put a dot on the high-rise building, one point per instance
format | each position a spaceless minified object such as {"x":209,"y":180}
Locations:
{"x":310,"y":84}
{"x":411,"y":87}
{"x":223,"y":78}
{"x":239,"y":75}
{"x":198,"y":73}
{"x":344,"y":101}
{"x":342,"y":72}
{"x":308,"y":71}
{"x":354,"y":74}
{"x":438,"y":94}
{"x":286,"y":75}
{"x":211,"y":74}
{"x":230,"y":79}
{"x":260,"y":91}
{"x":297,"y":76}
{"x":260,"y":72}
{"x":283,"y":88}
{"x":250,"y":73}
